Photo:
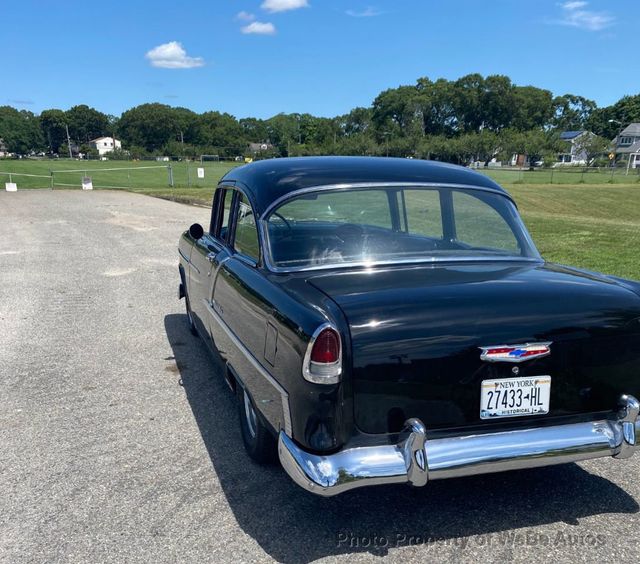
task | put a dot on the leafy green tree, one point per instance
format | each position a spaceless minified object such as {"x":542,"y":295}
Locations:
{"x":440,"y":148}
{"x":149,"y":125}
{"x":119,"y":155}
{"x":86,"y":123}
{"x":533,"y":108}
{"x":468,"y":95}
{"x":89,"y":151}
{"x":186,"y":124}
{"x":535,"y":144}
{"x":20,"y":130}
{"x":572,"y":113}
{"x":283,"y":132}
{"x":254,"y":130}
{"x":482,"y":146}
{"x":357,"y":144}
{"x":437,"y":108}
{"x":498,"y":102}
{"x":396,"y":111}
{"x":53,"y":123}
{"x":356,"y":122}
{"x":592,"y":146}
{"x":222,"y":131}
{"x":608,"y":122}
{"x":136,"y":152}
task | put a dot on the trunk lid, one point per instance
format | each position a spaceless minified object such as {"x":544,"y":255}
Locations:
{"x":416,"y":333}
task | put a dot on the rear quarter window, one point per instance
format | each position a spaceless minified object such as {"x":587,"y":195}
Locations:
{"x":480,"y":226}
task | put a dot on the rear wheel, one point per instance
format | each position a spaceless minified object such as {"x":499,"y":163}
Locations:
{"x":258,"y":440}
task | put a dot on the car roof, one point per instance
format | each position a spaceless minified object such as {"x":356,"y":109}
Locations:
{"x":269,"y":180}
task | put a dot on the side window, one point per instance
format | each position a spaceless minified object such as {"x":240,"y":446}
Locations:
{"x":225,"y":200}
{"x":480,"y":226}
{"x":423,"y":213}
{"x":246,"y":239}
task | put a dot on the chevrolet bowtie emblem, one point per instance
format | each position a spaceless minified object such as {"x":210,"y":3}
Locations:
{"x":515,"y":353}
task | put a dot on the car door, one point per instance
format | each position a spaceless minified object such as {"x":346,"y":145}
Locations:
{"x":241,"y":310}
{"x":205,"y":258}
{"x":239,"y":284}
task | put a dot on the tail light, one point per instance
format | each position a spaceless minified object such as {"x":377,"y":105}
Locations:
{"x":323,"y":359}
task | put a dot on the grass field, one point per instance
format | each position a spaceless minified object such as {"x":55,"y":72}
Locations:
{"x":565,"y":175}
{"x":593,"y":225}
{"x":136,"y":175}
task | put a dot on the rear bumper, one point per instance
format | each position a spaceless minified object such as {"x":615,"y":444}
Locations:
{"x":416,"y":460}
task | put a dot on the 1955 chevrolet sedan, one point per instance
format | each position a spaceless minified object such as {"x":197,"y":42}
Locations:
{"x":391,"y":321}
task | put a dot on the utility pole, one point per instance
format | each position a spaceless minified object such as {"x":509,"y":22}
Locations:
{"x":68,"y":141}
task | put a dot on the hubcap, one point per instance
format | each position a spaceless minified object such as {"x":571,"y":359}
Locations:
{"x":250,"y":415}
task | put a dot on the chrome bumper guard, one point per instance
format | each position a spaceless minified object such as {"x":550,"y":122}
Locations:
{"x":416,"y":460}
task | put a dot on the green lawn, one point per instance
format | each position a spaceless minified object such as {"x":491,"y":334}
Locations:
{"x":564,"y":175}
{"x":135,"y":175}
{"x":590,"y":225}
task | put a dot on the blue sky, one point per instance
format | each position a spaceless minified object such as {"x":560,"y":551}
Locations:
{"x":261,"y":57}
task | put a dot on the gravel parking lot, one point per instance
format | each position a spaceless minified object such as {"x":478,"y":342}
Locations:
{"x":119,"y":439}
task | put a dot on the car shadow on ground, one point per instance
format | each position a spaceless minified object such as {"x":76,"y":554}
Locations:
{"x":292,"y":525}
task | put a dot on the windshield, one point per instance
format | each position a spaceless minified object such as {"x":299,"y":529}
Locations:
{"x":345,"y":226}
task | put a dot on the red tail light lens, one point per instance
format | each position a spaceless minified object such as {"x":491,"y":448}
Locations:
{"x":322,"y":362}
{"x":326,"y":349}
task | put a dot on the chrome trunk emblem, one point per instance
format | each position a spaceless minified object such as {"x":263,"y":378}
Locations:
{"x":515,"y":353}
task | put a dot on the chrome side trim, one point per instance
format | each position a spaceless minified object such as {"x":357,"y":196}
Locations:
{"x":416,"y":460}
{"x":355,"y":185}
{"x":416,"y":261}
{"x":185,"y":257}
{"x":254,"y":362}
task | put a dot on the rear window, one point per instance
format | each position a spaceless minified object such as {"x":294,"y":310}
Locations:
{"x":370,"y":207}
{"x":391,"y":224}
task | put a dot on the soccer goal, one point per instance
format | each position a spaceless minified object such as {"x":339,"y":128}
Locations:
{"x":210,"y":158}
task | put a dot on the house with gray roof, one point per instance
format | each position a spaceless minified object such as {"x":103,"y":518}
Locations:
{"x":627,"y":144}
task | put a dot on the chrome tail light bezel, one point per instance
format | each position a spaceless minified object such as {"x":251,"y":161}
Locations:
{"x":322,"y":373}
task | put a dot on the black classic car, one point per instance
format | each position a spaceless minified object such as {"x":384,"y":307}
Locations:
{"x":391,"y":321}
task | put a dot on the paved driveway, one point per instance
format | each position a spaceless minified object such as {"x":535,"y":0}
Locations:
{"x":119,"y":440}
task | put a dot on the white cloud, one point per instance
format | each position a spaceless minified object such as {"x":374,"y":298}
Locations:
{"x":259,"y":28}
{"x":172,"y":56}
{"x":283,"y":5}
{"x":245,"y":16}
{"x":577,"y":15}
{"x":574,"y":5}
{"x":370,"y":12}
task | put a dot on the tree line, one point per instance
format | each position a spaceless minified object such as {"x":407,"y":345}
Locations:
{"x":472,"y":118}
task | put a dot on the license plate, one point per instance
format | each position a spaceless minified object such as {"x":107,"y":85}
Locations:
{"x":511,"y":397}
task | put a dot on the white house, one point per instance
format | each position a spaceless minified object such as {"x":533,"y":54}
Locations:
{"x":575,"y":154}
{"x":105,"y":145}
